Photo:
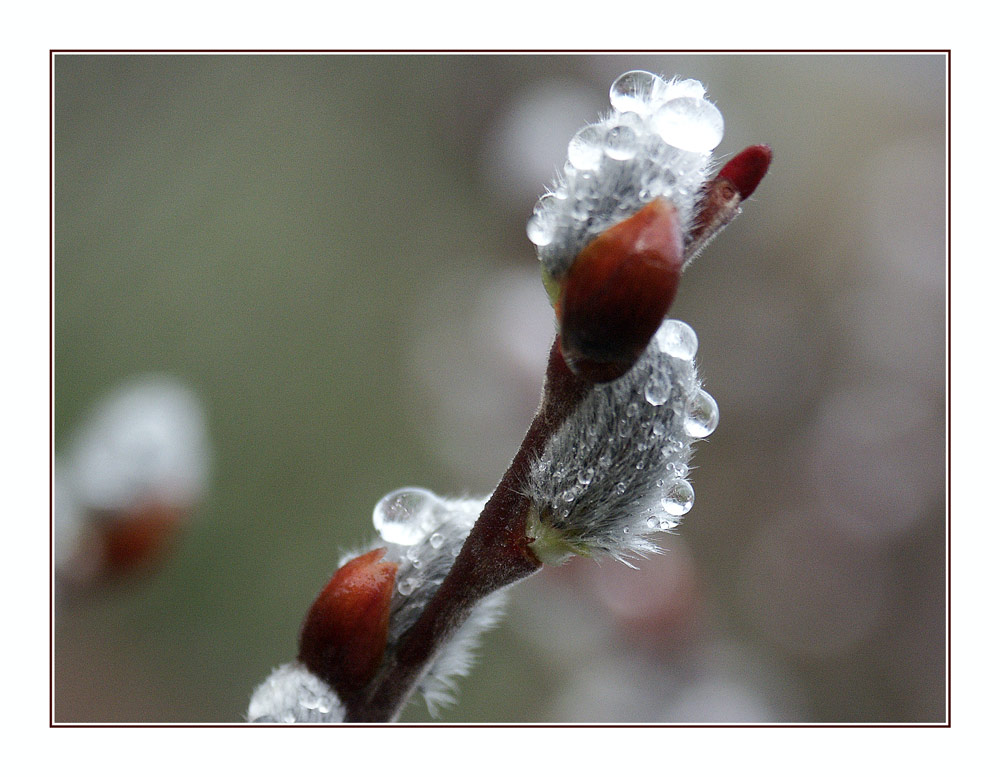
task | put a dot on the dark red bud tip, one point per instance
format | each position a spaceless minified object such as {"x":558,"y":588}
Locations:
{"x":747,"y":169}
{"x":618,"y":290}
{"x":344,"y":634}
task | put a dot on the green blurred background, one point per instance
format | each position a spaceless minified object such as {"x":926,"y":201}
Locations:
{"x":323,"y":248}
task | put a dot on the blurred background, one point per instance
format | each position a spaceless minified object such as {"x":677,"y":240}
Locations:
{"x":329,"y":253}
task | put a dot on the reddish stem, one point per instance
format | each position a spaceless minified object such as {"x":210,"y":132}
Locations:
{"x":496,"y":554}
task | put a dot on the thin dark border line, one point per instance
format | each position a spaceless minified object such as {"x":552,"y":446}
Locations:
{"x":947,"y":303}
{"x":52,"y":440}
{"x":552,"y":52}
{"x":946,"y":724}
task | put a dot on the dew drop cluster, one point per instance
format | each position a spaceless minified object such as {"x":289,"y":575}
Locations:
{"x":656,"y":142}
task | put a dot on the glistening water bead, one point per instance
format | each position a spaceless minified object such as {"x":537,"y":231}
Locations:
{"x":632,"y":91}
{"x":657,"y":390}
{"x":621,"y":143}
{"x":702,"y":414}
{"x":587,"y":147}
{"x":690,"y":124}
{"x":678,"y":497}
{"x":677,"y":339}
{"x":400,"y":517}
{"x":408,"y":586}
{"x":541,"y":226}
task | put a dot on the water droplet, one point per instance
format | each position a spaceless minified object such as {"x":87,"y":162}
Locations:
{"x":652,"y":523}
{"x":620,"y":488}
{"x":604,"y":461}
{"x":570,"y":493}
{"x":677,"y":339}
{"x":541,"y":225}
{"x":702,"y":414}
{"x":586,"y":476}
{"x":437,"y":540}
{"x":625,"y":530}
{"x":408,"y":586}
{"x":659,"y":429}
{"x":538,"y":230}
{"x":640,"y":464}
{"x":669,"y":524}
{"x":621,"y":143}
{"x":587,"y":148}
{"x":657,"y":390}
{"x":678,"y":497}
{"x":400,"y":516}
{"x":690,"y":124}
{"x":632,"y":91}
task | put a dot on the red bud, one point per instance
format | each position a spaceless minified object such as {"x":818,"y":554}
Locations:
{"x":618,"y":290}
{"x":344,"y":634}
{"x":720,"y":201}
{"x":747,"y":169}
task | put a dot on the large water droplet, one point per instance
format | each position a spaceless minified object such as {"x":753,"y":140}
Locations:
{"x":702,"y":414}
{"x":401,"y":516}
{"x":677,"y":339}
{"x":678,"y":497}
{"x":538,"y":231}
{"x":657,"y":390}
{"x":541,"y":225}
{"x":621,"y":143}
{"x":690,"y":124}
{"x":632,"y":91}
{"x":587,"y":148}
{"x":585,"y":476}
{"x":436,"y":540}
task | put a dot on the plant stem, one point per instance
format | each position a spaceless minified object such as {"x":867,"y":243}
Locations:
{"x":496,"y":554}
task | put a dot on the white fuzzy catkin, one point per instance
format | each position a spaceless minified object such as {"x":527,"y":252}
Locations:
{"x":424,"y":533}
{"x":293,"y":694}
{"x":615,"y":472}
{"x":655,"y":142}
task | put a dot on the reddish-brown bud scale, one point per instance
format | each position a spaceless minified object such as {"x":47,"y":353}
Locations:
{"x":137,"y":540}
{"x":344,"y":633}
{"x":618,"y":290}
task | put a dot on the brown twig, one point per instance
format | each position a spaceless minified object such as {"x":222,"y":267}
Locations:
{"x":496,"y":554}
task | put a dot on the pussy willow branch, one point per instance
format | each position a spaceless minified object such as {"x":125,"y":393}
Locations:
{"x":496,"y":554}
